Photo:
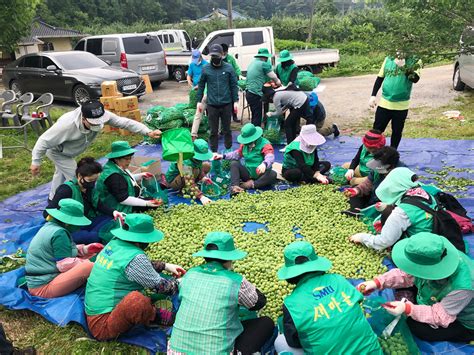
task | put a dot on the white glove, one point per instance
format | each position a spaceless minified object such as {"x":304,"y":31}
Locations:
{"x":261,"y":168}
{"x":199,"y":107}
{"x":357,"y":238}
{"x":367,"y":287}
{"x":372,"y":102}
{"x":176,"y":270}
{"x":349,"y":174}
{"x":205,"y":200}
{"x":321,"y":178}
{"x":400,"y":62}
{"x":395,"y":308}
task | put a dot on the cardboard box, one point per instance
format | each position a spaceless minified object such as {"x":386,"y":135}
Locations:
{"x":133,"y":115}
{"x":148,"y":87}
{"x":108,"y":102}
{"x":109,"y":88}
{"x":128,"y":103}
{"x":140,"y":164}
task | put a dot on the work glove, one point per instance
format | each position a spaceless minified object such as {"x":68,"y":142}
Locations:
{"x":357,"y":238}
{"x":93,"y":248}
{"x":321,"y":178}
{"x":120,"y":216}
{"x":395,"y":308}
{"x":372,"y":102}
{"x":206,"y":180}
{"x":217,"y":156}
{"x":349,"y":174}
{"x":367,"y":287}
{"x":378,"y":226}
{"x":400,"y":62}
{"x":176,"y":270}
{"x":154,"y":134}
{"x":261,"y":169}
{"x":199,"y":107}
{"x":351,"y":192}
{"x":236,"y":107}
{"x":380,"y":206}
{"x":205,"y":200}
{"x":147,"y":175}
{"x":154,"y":203}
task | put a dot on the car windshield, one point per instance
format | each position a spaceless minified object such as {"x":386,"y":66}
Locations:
{"x":141,"y":45}
{"x":78,"y":60}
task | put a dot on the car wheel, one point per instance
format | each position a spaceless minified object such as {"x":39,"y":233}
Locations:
{"x":80,"y":94}
{"x":157,"y":84}
{"x":179,"y":74}
{"x":15,"y":86}
{"x":458,"y":85}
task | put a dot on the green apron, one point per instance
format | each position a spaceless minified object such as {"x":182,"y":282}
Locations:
{"x":77,"y":195}
{"x":420,"y":220}
{"x":431,"y":292}
{"x":289,"y":162}
{"x":105,"y":196}
{"x":108,"y":284}
{"x":285,"y":73}
{"x":396,"y":86}
{"x":327,"y":314}
{"x":253,"y":158}
{"x":207,"y":321}
{"x":365,"y":157}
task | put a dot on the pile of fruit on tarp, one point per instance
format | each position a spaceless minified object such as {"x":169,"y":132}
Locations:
{"x":313,"y":211}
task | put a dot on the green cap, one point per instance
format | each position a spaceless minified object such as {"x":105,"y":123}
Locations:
{"x":263,"y":52}
{"x":120,"y":149}
{"x":285,"y":56}
{"x":201,"y":150}
{"x":69,"y":211}
{"x":139,"y":228}
{"x":249,"y":134}
{"x":427,"y":256}
{"x":395,"y":184}
{"x":300,"y":257}
{"x":220,"y":245}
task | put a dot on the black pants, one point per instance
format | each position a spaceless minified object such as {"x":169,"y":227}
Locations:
{"x":359,"y":202}
{"x":222,"y":114}
{"x":239,"y":173}
{"x":256,"y":108}
{"x":6,"y":346}
{"x":292,"y":122}
{"x":256,"y":333}
{"x":383,"y":116}
{"x":297,"y":175}
{"x":455,"y":332}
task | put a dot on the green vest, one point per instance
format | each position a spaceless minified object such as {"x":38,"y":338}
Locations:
{"x":431,"y":292}
{"x":207,"y":321}
{"x":289,"y":162}
{"x":105,"y":196}
{"x":420,"y":220}
{"x":285,"y":73}
{"x":253,"y":158}
{"x":108,"y":284}
{"x":365,"y":157}
{"x":77,"y":195}
{"x":173,"y":170}
{"x":40,"y":261}
{"x":396,"y":86}
{"x":328,"y":317}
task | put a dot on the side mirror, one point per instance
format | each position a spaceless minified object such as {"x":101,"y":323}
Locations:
{"x":54,"y":69}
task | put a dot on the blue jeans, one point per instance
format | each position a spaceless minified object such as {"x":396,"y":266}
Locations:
{"x":90,"y":234}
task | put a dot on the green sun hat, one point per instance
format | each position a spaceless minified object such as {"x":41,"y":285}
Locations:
{"x":120,"y":149}
{"x":395,"y":184}
{"x":249,"y":134}
{"x":285,"y":56}
{"x":69,"y":211}
{"x":220,"y":245}
{"x":427,"y":256}
{"x":300,"y":257}
{"x":139,"y":228}
{"x":263,"y":52}
{"x":201,"y":150}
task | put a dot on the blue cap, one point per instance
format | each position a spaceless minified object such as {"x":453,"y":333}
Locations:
{"x":196,"y":54}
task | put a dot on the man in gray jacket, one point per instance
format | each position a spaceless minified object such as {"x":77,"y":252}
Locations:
{"x":72,"y":134}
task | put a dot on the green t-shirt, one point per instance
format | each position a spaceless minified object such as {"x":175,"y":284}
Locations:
{"x":257,"y":76}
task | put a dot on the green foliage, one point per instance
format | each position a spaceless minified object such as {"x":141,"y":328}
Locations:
{"x":292,"y":45}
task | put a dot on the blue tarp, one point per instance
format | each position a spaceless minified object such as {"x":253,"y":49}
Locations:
{"x":21,"y":217}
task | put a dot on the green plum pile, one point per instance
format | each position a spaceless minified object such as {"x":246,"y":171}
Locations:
{"x":12,"y":262}
{"x":447,"y":182}
{"x":394,"y":345}
{"x":313,"y":209}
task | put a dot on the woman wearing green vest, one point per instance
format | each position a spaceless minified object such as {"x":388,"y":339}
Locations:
{"x":117,"y":186}
{"x":200,"y":168}
{"x":444,"y":280}
{"x":301,"y":161}
{"x":322,"y":315}
{"x":396,"y":76}
{"x":114,"y":301}
{"x":82,"y":190}
{"x":207,"y":321}
{"x":55,"y":266}
{"x":256,"y":171}
{"x":286,"y":70}
{"x":358,"y":170}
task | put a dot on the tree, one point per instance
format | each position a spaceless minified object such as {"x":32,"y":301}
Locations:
{"x":16,"y":17}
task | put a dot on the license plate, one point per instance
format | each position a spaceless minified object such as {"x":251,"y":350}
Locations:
{"x":129,"y":87}
{"x":149,"y":67}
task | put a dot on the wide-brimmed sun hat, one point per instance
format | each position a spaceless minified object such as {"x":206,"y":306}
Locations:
{"x":138,"y":228}
{"x":94,"y":112}
{"x":263,"y":52}
{"x":300,"y":257}
{"x":69,"y":211}
{"x":285,"y":56}
{"x":120,"y":149}
{"x":201,"y":150}
{"x":427,"y":256}
{"x":249,"y":133}
{"x":310,"y":135}
{"x":220,"y":245}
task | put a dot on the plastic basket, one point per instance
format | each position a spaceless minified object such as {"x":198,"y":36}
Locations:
{"x":272,"y":129}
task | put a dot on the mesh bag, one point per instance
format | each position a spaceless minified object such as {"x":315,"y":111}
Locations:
{"x":272,"y":129}
{"x":337,"y":175}
{"x":210,"y":189}
{"x":369,"y":216}
{"x":307,"y":81}
{"x":189,"y":116}
{"x":181,"y":107}
{"x":150,"y":188}
{"x":177,"y":142}
{"x":192,"y":98}
{"x":171,"y":114}
{"x":170,"y":125}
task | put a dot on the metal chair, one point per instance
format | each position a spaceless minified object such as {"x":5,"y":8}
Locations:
{"x":39,"y":114}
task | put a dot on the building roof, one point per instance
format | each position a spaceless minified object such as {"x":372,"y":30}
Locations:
{"x":223,"y":12}
{"x":40,"y":29}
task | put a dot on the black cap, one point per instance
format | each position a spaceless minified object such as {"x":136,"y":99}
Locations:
{"x":216,"y":50}
{"x":93,"y":111}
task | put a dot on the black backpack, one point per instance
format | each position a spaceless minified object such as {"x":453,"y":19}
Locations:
{"x":450,"y":203}
{"x":443,"y":223}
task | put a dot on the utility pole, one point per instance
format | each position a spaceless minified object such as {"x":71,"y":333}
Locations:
{"x":229,"y":14}
{"x":311,"y":22}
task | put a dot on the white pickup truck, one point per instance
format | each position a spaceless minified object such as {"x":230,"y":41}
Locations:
{"x":244,"y":44}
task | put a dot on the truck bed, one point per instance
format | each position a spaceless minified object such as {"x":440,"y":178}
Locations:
{"x":178,"y":58}
{"x":316,"y":56}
